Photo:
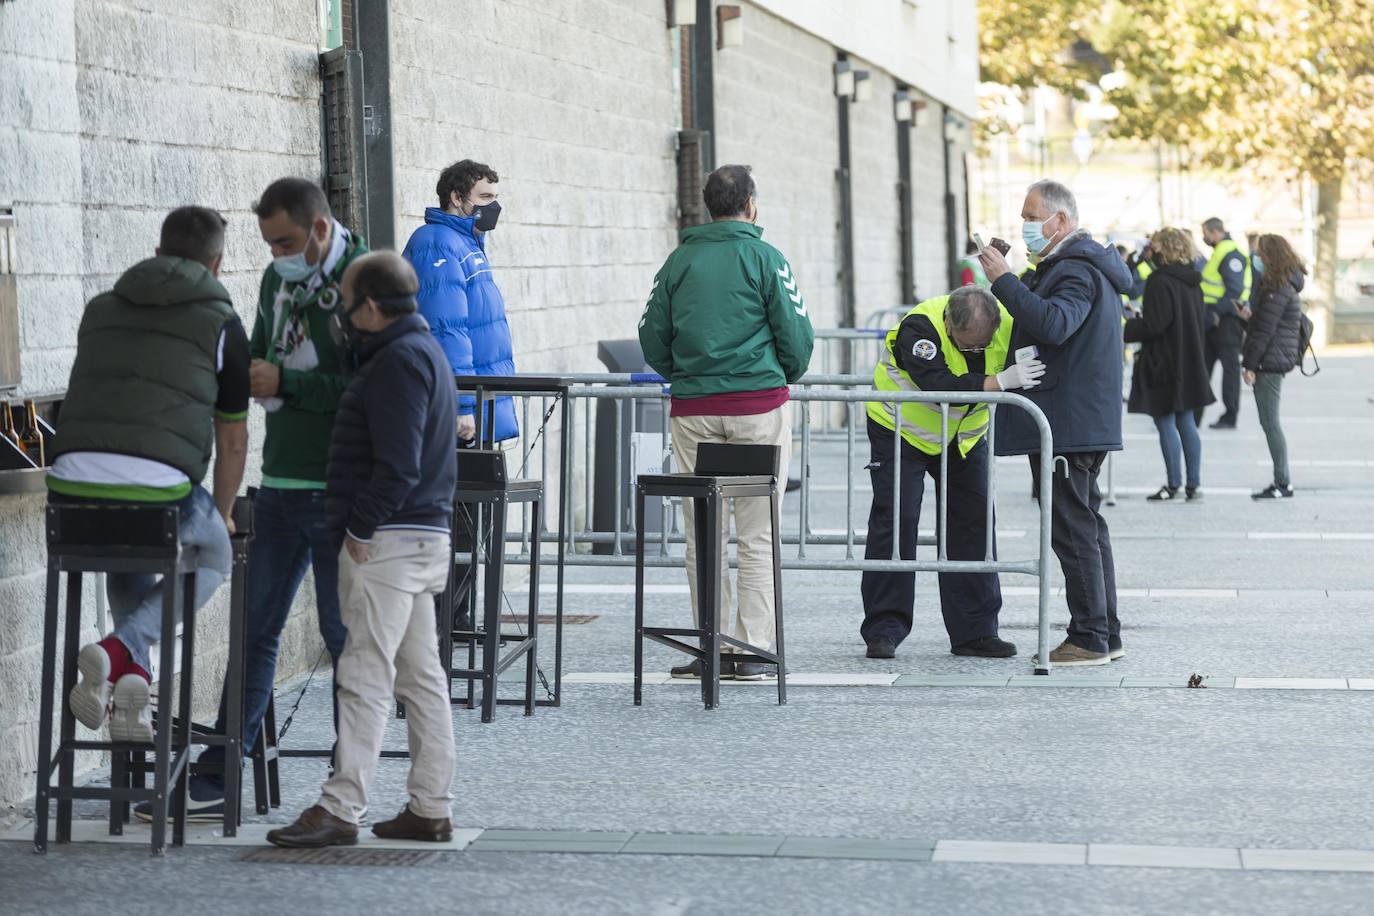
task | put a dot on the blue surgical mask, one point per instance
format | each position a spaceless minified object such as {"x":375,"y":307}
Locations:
{"x":1256,"y":261}
{"x":293,"y":268}
{"x":1033,"y":235}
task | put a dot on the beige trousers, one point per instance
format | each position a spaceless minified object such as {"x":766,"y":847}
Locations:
{"x":755,"y":546}
{"x":387,"y":604}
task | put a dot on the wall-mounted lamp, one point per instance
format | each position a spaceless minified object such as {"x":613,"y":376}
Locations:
{"x":863,"y":85}
{"x":901,"y":106}
{"x":844,"y":78}
{"x":729,"y":27}
{"x":682,"y":12}
{"x":954,"y":127}
{"x":922,"y":109}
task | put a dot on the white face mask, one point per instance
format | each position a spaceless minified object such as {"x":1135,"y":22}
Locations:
{"x":293,"y":268}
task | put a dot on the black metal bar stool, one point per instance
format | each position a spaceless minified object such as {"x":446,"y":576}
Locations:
{"x":116,"y":539}
{"x":722,"y":472}
{"x":482,"y":484}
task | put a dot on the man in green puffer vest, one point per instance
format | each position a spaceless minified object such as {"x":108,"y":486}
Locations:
{"x":727,"y":326}
{"x":160,"y":376}
{"x":953,"y":343}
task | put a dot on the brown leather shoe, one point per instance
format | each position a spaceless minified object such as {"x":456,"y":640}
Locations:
{"x":315,"y":827}
{"x":410,"y":826}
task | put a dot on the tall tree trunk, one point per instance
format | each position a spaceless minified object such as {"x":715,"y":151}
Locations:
{"x":1328,"y":226}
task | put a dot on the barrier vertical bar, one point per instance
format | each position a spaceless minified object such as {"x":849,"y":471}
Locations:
{"x":897,"y":483}
{"x":849,"y":482}
{"x":988,"y":555}
{"x":1046,"y":493}
{"x":633,"y":404}
{"x":524,"y":472}
{"x":587,"y":472}
{"x":804,"y":523}
{"x":942,"y":547}
{"x":618,"y":503}
{"x":544,"y":440}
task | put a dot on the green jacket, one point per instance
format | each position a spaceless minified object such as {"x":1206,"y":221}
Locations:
{"x":725,"y":314}
{"x":144,"y":380}
{"x":296,"y":448}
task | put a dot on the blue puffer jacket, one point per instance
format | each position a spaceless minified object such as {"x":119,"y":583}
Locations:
{"x":1070,"y":309}
{"x":464,"y":308}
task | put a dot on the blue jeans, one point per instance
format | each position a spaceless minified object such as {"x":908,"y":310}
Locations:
{"x":288,"y":535}
{"x":1180,"y":443}
{"x":136,"y":598}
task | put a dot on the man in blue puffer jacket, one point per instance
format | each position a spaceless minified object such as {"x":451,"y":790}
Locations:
{"x":458,"y":295}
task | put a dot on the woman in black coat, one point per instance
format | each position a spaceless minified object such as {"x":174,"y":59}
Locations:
{"x":1273,"y":349}
{"x":1170,"y":380}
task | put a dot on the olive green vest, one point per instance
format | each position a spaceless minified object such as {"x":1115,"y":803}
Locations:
{"x":1212,"y":286}
{"x":921,"y":422}
{"x":144,"y":380}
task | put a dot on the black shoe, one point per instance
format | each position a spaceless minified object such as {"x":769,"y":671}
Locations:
{"x":692,"y":670}
{"x":204,"y":802}
{"x":985,"y":647}
{"x":793,"y":484}
{"x":1194,"y":494}
{"x":755,"y":671}
{"x":1273,"y":491}
{"x":1163,"y":494}
{"x":882,"y":647}
{"x":1223,"y":423}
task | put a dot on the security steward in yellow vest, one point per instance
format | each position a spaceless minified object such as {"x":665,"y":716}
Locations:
{"x":948,"y":343}
{"x":1225,"y":307}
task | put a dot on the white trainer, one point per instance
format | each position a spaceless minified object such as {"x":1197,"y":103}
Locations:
{"x":91,"y":695}
{"x":131,"y":712}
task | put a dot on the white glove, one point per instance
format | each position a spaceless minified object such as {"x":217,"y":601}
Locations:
{"x":1025,"y":374}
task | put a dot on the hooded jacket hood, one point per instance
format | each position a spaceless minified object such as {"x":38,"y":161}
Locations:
{"x":1080,"y":244}
{"x":167,"y":281}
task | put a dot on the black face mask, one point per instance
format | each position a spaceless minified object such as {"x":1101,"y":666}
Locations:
{"x":342,"y":331}
{"x":485,"y":216}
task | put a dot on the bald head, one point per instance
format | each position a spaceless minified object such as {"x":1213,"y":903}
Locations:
{"x":384,"y":277}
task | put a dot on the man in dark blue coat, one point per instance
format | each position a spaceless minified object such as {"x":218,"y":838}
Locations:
{"x":1069,"y":311}
{"x":390,"y":488}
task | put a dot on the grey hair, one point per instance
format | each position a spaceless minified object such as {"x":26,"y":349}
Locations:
{"x":973,"y":309}
{"x":1056,"y":197}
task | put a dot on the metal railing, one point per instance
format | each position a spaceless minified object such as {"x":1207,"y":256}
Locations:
{"x":845,"y":394}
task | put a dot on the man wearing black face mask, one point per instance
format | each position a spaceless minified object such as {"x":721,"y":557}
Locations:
{"x":465,"y":310}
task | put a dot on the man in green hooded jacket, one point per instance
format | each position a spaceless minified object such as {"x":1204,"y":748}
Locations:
{"x":727,"y":326}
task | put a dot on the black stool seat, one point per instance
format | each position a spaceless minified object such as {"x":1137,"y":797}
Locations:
{"x":722,"y":472}
{"x":693,"y":485}
{"x":139,"y":538}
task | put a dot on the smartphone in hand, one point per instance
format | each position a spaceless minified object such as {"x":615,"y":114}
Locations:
{"x":1001,"y":246}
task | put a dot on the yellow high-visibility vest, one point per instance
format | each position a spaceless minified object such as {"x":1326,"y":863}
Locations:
{"x":921,"y":422}
{"x":1212,"y":286}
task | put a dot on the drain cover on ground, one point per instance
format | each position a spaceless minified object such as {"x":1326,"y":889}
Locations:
{"x":338,"y":855}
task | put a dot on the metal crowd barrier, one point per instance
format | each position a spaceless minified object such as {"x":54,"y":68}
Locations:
{"x":845,"y":394}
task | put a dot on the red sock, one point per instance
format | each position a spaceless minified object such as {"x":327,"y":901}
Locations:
{"x":121,"y":662}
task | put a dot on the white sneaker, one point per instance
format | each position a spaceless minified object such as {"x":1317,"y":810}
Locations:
{"x":131,"y":714}
{"x":91,"y":695}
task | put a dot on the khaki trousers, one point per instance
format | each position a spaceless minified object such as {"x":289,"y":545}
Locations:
{"x":392,"y":650}
{"x":754,"y":542}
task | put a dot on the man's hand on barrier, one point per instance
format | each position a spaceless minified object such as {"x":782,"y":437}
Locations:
{"x":467,"y":428}
{"x":1025,"y":374}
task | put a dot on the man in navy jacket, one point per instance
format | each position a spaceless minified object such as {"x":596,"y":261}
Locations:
{"x":1069,"y":310}
{"x":390,"y":485}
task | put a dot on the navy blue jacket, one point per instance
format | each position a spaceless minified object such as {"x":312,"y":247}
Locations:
{"x":464,"y":308}
{"x":1069,"y":308}
{"x":393,"y":454}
